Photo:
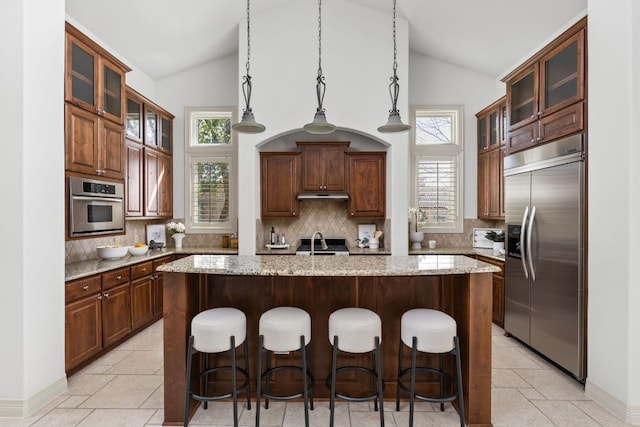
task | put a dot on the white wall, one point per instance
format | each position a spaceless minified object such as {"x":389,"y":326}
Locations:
{"x":32,"y":289}
{"x":212,"y":84}
{"x":435,"y":82}
{"x":614,"y":271}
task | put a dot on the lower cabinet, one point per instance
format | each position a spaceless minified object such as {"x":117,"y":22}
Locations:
{"x":498,"y":291}
{"x":104,"y":309}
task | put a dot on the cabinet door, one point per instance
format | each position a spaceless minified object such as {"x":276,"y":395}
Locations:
{"x":83,"y":330}
{"x":135,"y":207}
{"x":82,"y":132}
{"x":483,"y":184}
{"x":522,"y":97}
{"x":142,"y":308}
{"x":151,"y":126}
{"x":279,"y":174}
{"x":111,"y":149}
{"x":151,"y":168}
{"x":482,"y":133}
{"x":367,"y":185}
{"x":334,"y":170}
{"x":116,"y":313}
{"x":165,"y":185}
{"x":497,"y":313}
{"x":158,"y":281}
{"x":166,"y":133}
{"x":133,"y":121}
{"x":312,"y":169}
{"x":563,"y":122}
{"x":494,"y":189}
{"x":562,"y":75}
{"x":81,"y":81}
{"x":522,"y":138}
{"x":111,"y":92}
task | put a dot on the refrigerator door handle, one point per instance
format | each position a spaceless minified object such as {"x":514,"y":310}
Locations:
{"x":529,"y":239}
{"x":523,"y":253}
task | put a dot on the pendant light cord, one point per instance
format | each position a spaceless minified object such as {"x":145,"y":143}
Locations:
{"x":246,"y":80}
{"x":249,"y":34}
{"x":320,"y":84}
{"x":394,"y":87}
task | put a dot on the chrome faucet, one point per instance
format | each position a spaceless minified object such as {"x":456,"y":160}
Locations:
{"x":323,"y":244}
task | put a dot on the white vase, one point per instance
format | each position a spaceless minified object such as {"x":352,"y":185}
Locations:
{"x":177,"y":238}
{"x":416,"y":238}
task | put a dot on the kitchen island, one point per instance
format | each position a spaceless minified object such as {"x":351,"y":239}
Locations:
{"x":388,"y":285}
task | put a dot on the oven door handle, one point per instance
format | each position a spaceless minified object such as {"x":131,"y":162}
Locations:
{"x":96,"y":199}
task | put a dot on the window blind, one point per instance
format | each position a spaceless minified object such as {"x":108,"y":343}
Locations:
{"x":210,"y":191}
{"x":437,"y":191}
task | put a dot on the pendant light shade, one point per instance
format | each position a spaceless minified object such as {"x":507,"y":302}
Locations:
{"x":319,"y":125}
{"x":248,"y":123}
{"x":394,"y":123}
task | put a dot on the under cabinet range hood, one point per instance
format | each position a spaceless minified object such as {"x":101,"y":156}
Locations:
{"x":322,"y":196}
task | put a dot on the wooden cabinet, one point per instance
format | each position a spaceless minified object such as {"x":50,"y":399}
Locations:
{"x":94,"y":108}
{"x":97,"y":315}
{"x":141,"y":294}
{"x":93,"y":145}
{"x":491,"y":139}
{"x":323,"y":166}
{"x":546,"y":95}
{"x":367,"y":184}
{"x":279,"y":177}
{"x":104,"y":309}
{"x":158,"y":184}
{"x":497,"y":311}
{"x":149,"y":139}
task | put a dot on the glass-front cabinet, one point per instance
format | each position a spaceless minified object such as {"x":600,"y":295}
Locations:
{"x":95,"y":80}
{"x":546,"y":96}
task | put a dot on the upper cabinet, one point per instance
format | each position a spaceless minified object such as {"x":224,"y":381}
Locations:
{"x":279,"y":177}
{"x":546,"y":95}
{"x":491,"y":140}
{"x":94,"y":78}
{"x":149,"y":138}
{"x":367,"y":184}
{"x":490,"y":126}
{"x":323,"y":167}
{"x":94,"y":108}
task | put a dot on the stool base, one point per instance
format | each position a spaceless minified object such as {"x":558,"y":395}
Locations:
{"x":234,"y":371}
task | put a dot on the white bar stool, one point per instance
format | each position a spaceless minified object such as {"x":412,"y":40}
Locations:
{"x":356,"y":330}
{"x":429,"y":331}
{"x":282,"y":330}
{"x":218,"y":330}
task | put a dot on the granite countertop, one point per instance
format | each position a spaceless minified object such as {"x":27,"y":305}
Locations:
{"x":284,"y":265}
{"x":489,"y":253}
{"x":80,"y":269}
{"x":291,"y":250}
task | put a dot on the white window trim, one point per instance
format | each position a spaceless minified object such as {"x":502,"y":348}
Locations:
{"x":208,"y":153}
{"x":454,"y":150}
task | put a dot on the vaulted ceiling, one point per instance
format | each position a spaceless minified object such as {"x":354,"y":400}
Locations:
{"x":162,"y":37}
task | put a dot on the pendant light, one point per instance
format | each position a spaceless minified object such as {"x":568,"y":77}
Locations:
{"x":248,"y":123}
{"x":394,"y":124}
{"x":319,"y":125}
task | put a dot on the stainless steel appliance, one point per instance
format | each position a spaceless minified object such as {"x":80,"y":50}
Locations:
{"x":334,"y":247}
{"x":544,"y":289}
{"x":95,"y":207}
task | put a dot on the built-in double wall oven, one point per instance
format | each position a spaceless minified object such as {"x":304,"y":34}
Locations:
{"x":95,"y":207}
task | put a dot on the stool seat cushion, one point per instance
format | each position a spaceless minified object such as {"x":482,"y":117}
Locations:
{"x":434,"y":329}
{"x":282,"y":328}
{"x":356,"y":329}
{"x":212,"y":329}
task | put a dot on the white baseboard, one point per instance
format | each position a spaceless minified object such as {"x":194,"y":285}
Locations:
{"x":20,"y":408}
{"x":629,"y":414}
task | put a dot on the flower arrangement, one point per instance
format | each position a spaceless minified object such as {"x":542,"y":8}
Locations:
{"x":413,"y":218}
{"x":495,"y":237}
{"x":175,"y":227}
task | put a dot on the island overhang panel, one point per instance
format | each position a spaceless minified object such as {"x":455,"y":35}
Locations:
{"x":457,"y":285}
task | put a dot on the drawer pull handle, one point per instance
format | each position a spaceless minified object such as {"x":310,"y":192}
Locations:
{"x":85,"y":288}
{"x":106,"y":295}
{"x":118,"y":277}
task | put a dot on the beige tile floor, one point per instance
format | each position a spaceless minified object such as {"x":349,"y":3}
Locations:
{"x":125,"y":389}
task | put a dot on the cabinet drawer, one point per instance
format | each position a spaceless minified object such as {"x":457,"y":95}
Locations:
{"x":115,"y":278}
{"x":141,"y":270}
{"x":81,"y":288}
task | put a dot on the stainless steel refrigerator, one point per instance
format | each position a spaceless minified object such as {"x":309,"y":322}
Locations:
{"x":544,"y":290}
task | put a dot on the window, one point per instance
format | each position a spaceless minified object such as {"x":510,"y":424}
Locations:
{"x":437,"y":150}
{"x":210,"y":171}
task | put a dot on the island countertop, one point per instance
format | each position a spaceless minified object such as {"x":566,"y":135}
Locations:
{"x":372,"y":265}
